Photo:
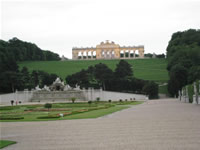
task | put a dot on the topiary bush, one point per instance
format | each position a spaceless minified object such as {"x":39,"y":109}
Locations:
{"x":48,"y":106}
{"x":73,"y":99}
{"x":89,"y":102}
{"x":98,"y":99}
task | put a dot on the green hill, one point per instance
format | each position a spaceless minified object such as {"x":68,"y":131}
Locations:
{"x":147,"y":69}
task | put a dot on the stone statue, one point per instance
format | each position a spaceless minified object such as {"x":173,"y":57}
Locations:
{"x":186,"y":95}
{"x":37,"y":88}
{"x":46,"y":88}
{"x":195,"y":88}
{"x":77,"y":87}
{"x":57,"y":85}
{"x":195,"y":94}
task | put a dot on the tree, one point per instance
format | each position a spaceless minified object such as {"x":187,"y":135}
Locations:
{"x":10,"y":81}
{"x":183,"y":53}
{"x":35,"y":78}
{"x":123,"y":70}
{"x":102,"y":74}
{"x":25,"y":78}
{"x":151,"y":89}
{"x":178,"y":79}
{"x":194,"y":74}
{"x":48,"y":106}
{"x":23,"y":51}
{"x":45,"y":78}
{"x":73,"y":99}
{"x":173,"y":86}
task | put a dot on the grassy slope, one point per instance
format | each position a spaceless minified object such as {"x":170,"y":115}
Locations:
{"x":4,"y":143}
{"x":147,"y":69}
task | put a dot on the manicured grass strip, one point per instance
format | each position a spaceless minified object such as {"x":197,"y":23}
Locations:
{"x":4,"y":143}
{"x":97,"y":113}
{"x":131,"y":103}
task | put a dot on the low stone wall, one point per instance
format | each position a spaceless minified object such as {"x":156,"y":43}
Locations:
{"x":80,"y":95}
{"x":23,"y":96}
{"x":184,"y":94}
{"x":116,"y":96}
{"x":57,"y":95}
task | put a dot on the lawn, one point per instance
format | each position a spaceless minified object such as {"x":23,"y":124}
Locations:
{"x":79,"y":110}
{"x":147,"y":69}
{"x":4,"y":143}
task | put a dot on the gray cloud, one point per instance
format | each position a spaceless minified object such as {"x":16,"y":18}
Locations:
{"x":60,"y":25}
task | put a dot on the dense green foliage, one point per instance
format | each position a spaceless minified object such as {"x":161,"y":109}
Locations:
{"x":11,"y":77}
{"x":183,"y":53}
{"x":151,"y":89}
{"x":120,"y":80}
{"x":23,"y":79}
{"x":18,"y":50}
{"x":146,"y":69}
{"x":48,"y":106}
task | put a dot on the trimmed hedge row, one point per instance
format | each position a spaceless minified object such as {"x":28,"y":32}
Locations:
{"x":11,"y":117}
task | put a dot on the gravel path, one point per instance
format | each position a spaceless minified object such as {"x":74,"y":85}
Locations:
{"x":155,"y":125}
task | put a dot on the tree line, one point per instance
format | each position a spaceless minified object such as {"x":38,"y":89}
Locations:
{"x":183,"y":54}
{"x":19,"y":50}
{"x":11,"y":77}
{"x":121,"y":79}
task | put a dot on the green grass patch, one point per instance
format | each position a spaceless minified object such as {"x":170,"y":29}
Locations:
{"x":147,"y":69}
{"x":96,"y":113}
{"x":4,"y":143}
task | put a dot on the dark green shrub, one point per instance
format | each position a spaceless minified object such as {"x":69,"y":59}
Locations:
{"x":151,"y":89}
{"x":7,"y":117}
{"x":9,"y":108}
{"x":48,"y":106}
{"x":89,"y":102}
{"x":12,"y":102}
{"x":98,"y":99}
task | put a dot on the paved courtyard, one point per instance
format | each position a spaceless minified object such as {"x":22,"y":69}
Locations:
{"x":155,"y":125}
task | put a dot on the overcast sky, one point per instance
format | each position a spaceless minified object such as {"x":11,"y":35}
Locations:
{"x":59,"y":25}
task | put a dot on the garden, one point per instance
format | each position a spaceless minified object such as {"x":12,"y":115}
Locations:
{"x":62,"y":111}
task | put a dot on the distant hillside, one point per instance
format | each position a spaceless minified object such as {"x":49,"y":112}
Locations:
{"x":18,"y":50}
{"x":147,"y":69}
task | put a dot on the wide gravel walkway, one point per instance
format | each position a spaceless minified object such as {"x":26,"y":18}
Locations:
{"x":155,"y":125}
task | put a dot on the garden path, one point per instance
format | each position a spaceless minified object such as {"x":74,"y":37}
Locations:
{"x":155,"y":125}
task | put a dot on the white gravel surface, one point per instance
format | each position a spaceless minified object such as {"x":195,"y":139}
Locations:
{"x":155,"y":125}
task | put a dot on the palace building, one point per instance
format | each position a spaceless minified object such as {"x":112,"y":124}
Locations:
{"x":108,"y":50}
